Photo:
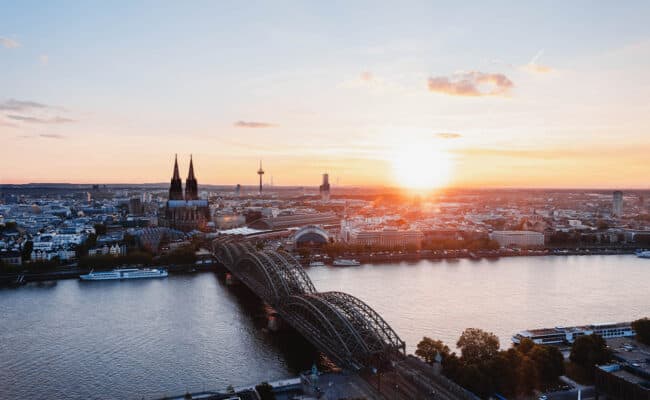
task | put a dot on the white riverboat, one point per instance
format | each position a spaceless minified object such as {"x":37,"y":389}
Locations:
{"x":643,"y":254}
{"x":567,"y":335}
{"x":316,"y":264}
{"x":125,"y":273}
{"x":346,"y":263}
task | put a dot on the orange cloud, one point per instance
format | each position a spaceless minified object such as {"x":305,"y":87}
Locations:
{"x":366,"y":76}
{"x":536,"y":68}
{"x":473,"y":84}
{"x":448,"y":135}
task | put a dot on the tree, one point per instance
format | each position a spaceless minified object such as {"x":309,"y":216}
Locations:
{"x":26,"y":252}
{"x":265,"y":390}
{"x":477,"y":346}
{"x":589,"y":350}
{"x":549,"y":363}
{"x":642,"y":329}
{"x":304,"y":252}
{"x":100,"y":229}
{"x":428,"y":349}
{"x":182,"y":256}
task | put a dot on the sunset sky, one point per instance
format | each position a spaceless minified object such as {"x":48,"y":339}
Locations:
{"x":492,"y":94}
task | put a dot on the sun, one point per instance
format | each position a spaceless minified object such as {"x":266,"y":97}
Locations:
{"x":421,"y":167}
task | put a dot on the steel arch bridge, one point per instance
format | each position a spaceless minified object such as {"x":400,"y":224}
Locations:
{"x":343,"y":327}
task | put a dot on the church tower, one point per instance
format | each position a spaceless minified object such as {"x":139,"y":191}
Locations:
{"x":191,"y":185}
{"x":176,"y":187}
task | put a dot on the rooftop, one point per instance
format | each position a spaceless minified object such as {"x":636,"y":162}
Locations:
{"x":633,"y":360}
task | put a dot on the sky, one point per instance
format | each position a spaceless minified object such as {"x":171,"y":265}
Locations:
{"x":422,"y":94}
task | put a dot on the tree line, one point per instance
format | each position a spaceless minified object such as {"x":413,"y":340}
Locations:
{"x":484,"y":369}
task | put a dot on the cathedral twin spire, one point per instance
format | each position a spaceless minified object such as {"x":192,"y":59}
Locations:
{"x":191,"y":185}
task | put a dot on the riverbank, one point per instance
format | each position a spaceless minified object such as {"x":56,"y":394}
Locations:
{"x":434,"y":255}
{"x":150,"y":329}
{"x":21,"y":278}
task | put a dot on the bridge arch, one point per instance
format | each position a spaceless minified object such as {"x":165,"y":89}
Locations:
{"x":272,"y":275}
{"x":359,"y":336}
{"x":342,"y":326}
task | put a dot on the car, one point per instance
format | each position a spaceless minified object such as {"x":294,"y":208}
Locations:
{"x":542,"y":397}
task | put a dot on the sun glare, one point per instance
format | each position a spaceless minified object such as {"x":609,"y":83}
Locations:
{"x":421,"y":167}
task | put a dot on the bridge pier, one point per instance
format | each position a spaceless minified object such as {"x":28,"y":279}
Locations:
{"x":274,"y":322}
{"x":231,"y":280}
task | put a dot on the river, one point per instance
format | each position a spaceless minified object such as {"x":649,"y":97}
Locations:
{"x":152,"y":338}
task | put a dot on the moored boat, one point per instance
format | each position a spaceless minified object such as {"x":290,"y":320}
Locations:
{"x":643,"y":254}
{"x":341,"y":262}
{"x":567,"y":335}
{"x":125,"y":273}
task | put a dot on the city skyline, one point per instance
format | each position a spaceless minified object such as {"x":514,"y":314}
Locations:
{"x":378,"y":95}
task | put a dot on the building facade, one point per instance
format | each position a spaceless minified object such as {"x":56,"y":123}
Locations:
{"x":325,"y":189}
{"x":184,"y":212}
{"x":386,"y":237}
{"x":617,"y":203}
{"x":518,"y":238}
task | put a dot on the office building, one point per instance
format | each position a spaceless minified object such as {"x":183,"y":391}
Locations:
{"x":518,"y":238}
{"x":617,"y":204}
{"x":325,"y":189}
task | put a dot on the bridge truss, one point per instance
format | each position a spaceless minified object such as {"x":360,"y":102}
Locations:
{"x":342,"y":326}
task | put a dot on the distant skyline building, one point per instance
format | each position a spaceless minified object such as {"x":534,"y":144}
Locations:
{"x":191,"y":185}
{"x":325,"y":188}
{"x":524,"y":239}
{"x":260,"y":172}
{"x":617,"y":203}
{"x":185,"y":213}
{"x":238,"y":190}
{"x":176,"y":186}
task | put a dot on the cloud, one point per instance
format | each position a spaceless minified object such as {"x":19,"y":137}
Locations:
{"x":366,"y":76}
{"x":7,"y":123}
{"x":42,"y":135}
{"x":370,"y":81}
{"x":448,"y":135}
{"x":473,"y":84}
{"x":534,"y":67}
{"x":19,"y":105}
{"x":253,"y":124}
{"x":32,"y":112}
{"x":537,"y":68}
{"x":37,"y":120}
{"x":8,"y":43}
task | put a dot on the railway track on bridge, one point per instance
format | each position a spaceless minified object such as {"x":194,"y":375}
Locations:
{"x":343,"y":327}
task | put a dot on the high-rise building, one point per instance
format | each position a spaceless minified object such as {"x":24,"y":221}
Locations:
{"x":617,"y":203}
{"x":238,"y":190}
{"x":325,"y":188}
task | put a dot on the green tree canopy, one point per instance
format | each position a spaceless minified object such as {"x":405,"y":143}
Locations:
{"x":642,"y":329}
{"x":589,"y":350}
{"x":477,"y":346}
{"x":428,"y":349}
{"x":265,"y":390}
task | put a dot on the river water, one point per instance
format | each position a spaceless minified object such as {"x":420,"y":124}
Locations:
{"x":134,"y":339}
